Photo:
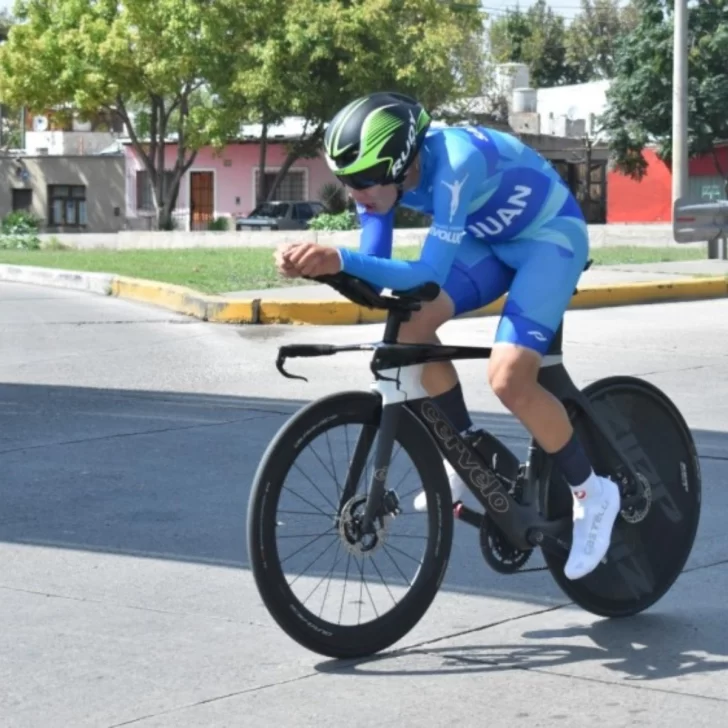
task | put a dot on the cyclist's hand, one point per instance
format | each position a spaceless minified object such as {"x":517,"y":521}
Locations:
{"x":309,"y":259}
{"x":284,"y":267}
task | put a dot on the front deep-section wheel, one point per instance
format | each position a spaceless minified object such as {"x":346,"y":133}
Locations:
{"x":335,"y":590}
{"x":653,"y":538}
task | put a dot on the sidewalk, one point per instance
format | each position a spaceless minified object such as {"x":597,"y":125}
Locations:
{"x":604,"y":275}
{"x":599,"y":287}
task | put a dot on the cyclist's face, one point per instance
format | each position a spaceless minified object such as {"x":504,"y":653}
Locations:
{"x":378,"y":199}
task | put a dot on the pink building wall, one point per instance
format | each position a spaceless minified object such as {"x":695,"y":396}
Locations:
{"x":234,"y":176}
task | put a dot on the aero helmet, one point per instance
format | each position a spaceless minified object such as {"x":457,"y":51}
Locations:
{"x":373,"y":140}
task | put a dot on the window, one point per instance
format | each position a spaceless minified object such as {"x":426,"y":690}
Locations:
{"x":22,"y":199}
{"x":67,"y":205}
{"x":292,"y":187}
{"x":303,"y":211}
{"x":144,"y":198}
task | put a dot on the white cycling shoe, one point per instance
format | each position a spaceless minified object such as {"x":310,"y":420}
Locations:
{"x":596,"y":508}
{"x":457,"y":488}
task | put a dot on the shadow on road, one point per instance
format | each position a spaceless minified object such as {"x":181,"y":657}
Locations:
{"x":168,"y":474}
{"x":639,"y":649}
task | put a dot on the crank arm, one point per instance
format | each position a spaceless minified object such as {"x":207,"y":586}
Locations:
{"x":552,"y":536}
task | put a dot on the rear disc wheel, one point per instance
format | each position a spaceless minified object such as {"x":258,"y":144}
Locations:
{"x":653,"y":538}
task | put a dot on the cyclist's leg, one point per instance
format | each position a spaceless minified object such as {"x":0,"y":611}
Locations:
{"x":476,"y":278}
{"x":548,"y":265}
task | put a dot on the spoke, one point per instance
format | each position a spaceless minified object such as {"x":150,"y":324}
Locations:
{"x":308,"y":502}
{"x":399,"y":551}
{"x":331,"y":576}
{"x":313,"y":562}
{"x":407,"y":581}
{"x":381,"y":578}
{"x":364,"y":582}
{"x":323,"y":465}
{"x":346,"y":579}
{"x":333,"y":467}
{"x":323,"y":578}
{"x":333,"y":507}
{"x":313,"y":540}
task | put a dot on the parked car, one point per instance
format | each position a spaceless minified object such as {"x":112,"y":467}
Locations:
{"x":280,"y":215}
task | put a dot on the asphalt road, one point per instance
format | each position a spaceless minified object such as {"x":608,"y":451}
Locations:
{"x":128,"y":440}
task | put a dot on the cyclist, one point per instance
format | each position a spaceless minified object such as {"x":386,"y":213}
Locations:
{"x":503,"y":221}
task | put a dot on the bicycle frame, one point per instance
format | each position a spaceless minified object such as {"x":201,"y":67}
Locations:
{"x":397,"y":370}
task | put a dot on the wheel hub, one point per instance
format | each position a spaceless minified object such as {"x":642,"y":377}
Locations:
{"x":357,"y":542}
{"x":638,"y":513}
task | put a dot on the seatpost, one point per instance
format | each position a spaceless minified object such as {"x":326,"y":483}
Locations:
{"x":395,"y":318}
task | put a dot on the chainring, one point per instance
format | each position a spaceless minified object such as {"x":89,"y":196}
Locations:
{"x":498,"y":553}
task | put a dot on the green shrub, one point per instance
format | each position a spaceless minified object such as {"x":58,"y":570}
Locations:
{"x":220,"y":223}
{"x":19,"y":231}
{"x":329,"y":222}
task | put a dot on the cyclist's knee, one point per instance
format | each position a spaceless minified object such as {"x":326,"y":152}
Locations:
{"x":513,"y":374}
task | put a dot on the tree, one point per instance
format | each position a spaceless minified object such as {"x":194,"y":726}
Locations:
{"x":321,"y":55}
{"x":639,"y":110}
{"x":10,"y":135}
{"x":158,"y":66}
{"x":536,"y":37}
{"x":593,"y":36}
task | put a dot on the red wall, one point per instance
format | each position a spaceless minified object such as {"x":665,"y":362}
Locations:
{"x":705,"y":166}
{"x":649,"y":200}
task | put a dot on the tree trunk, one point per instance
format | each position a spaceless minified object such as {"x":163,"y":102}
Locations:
{"x":304,"y":146}
{"x":260,"y":192}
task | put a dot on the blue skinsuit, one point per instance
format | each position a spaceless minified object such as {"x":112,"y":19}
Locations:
{"x":503,"y":220}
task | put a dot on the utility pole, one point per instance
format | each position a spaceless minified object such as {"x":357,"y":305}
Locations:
{"x":680,"y":102}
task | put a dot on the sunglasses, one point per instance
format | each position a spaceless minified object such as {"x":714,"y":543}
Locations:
{"x":361,"y":181}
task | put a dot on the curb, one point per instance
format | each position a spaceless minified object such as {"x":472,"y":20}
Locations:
{"x":219,"y":309}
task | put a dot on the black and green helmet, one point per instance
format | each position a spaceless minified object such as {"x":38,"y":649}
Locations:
{"x":373,"y":140}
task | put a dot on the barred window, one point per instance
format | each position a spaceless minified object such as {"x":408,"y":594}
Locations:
{"x":292,"y":187}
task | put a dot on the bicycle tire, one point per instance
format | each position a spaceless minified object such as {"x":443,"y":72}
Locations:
{"x":663,"y":451}
{"x":301,"y":625}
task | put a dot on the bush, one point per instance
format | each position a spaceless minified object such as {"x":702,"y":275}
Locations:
{"x":220,"y":223}
{"x":19,"y":231}
{"x":328,"y":222}
{"x":19,"y":222}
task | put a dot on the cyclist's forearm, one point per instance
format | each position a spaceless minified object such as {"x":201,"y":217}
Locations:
{"x":387,"y":273}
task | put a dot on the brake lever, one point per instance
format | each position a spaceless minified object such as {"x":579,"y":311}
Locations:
{"x":280,"y":361}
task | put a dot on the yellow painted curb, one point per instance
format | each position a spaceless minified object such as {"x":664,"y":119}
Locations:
{"x":342,"y":313}
{"x":622,"y":294}
{"x":184,"y":300}
{"x":333,"y":312}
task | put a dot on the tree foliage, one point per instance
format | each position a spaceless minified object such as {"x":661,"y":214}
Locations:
{"x":559,"y":53}
{"x":639,"y":108}
{"x":318,"y":56}
{"x":192,"y":71}
{"x":156,"y":65}
{"x":593,"y":37}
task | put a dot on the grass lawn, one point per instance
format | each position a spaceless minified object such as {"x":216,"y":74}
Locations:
{"x":219,"y":270}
